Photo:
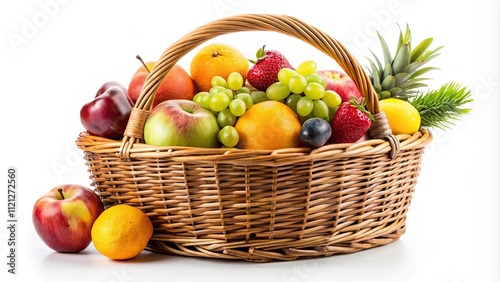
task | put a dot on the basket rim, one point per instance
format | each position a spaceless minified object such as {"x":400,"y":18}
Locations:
{"x":100,"y":145}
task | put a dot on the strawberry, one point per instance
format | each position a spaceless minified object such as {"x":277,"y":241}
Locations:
{"x":265,"y":70}
{"x":351,"y":122}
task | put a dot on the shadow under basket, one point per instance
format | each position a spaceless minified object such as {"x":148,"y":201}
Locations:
{"x":260,"y":205}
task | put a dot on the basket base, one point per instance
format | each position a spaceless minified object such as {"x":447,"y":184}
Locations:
{"x":237,"y":251}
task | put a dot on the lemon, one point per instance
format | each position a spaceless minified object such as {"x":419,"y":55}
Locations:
{"x":402,"y":116}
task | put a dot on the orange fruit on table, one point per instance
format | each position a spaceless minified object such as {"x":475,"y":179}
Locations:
{"x":216,"y":59}
{"x":121,"y":232}
{"x":268,"y":125}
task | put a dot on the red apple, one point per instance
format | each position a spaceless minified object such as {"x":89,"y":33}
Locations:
{"x":177,"y":84}
{"x":63,"y":217}
{"x":181,"y":123}
{"x":341,"y":83}
{"x":108,"y":113}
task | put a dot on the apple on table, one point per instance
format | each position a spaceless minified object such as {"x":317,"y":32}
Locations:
{"x":181,"y":122}
{"x":64,"y":216}
{"x":341,"y":83}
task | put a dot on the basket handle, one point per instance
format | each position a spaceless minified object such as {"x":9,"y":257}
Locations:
{"x":255,"y":22}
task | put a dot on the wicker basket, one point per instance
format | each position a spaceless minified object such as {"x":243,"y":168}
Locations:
{"x":260,"y":205}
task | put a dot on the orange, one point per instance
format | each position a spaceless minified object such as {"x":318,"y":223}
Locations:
{"x":216,"y":59}
{"x":121,"y":232}
{"x":402,"y":116}
{"x":268,"y":125}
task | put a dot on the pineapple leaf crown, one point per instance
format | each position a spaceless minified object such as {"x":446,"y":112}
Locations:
{"x":401,"y":76}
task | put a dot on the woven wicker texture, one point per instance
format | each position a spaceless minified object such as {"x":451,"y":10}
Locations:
{"x":260,"y":205}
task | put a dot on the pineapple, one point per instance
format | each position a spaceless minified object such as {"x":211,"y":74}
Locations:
{"x":401,"y":76}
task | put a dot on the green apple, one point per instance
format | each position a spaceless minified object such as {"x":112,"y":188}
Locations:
{"x":181,"y":122}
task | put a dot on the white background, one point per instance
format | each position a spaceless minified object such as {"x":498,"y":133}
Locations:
{"x":55,"y":54}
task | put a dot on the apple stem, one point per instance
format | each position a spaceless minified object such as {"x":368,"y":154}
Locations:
{"x":60,"y":190}
{"x":144,"y":64}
